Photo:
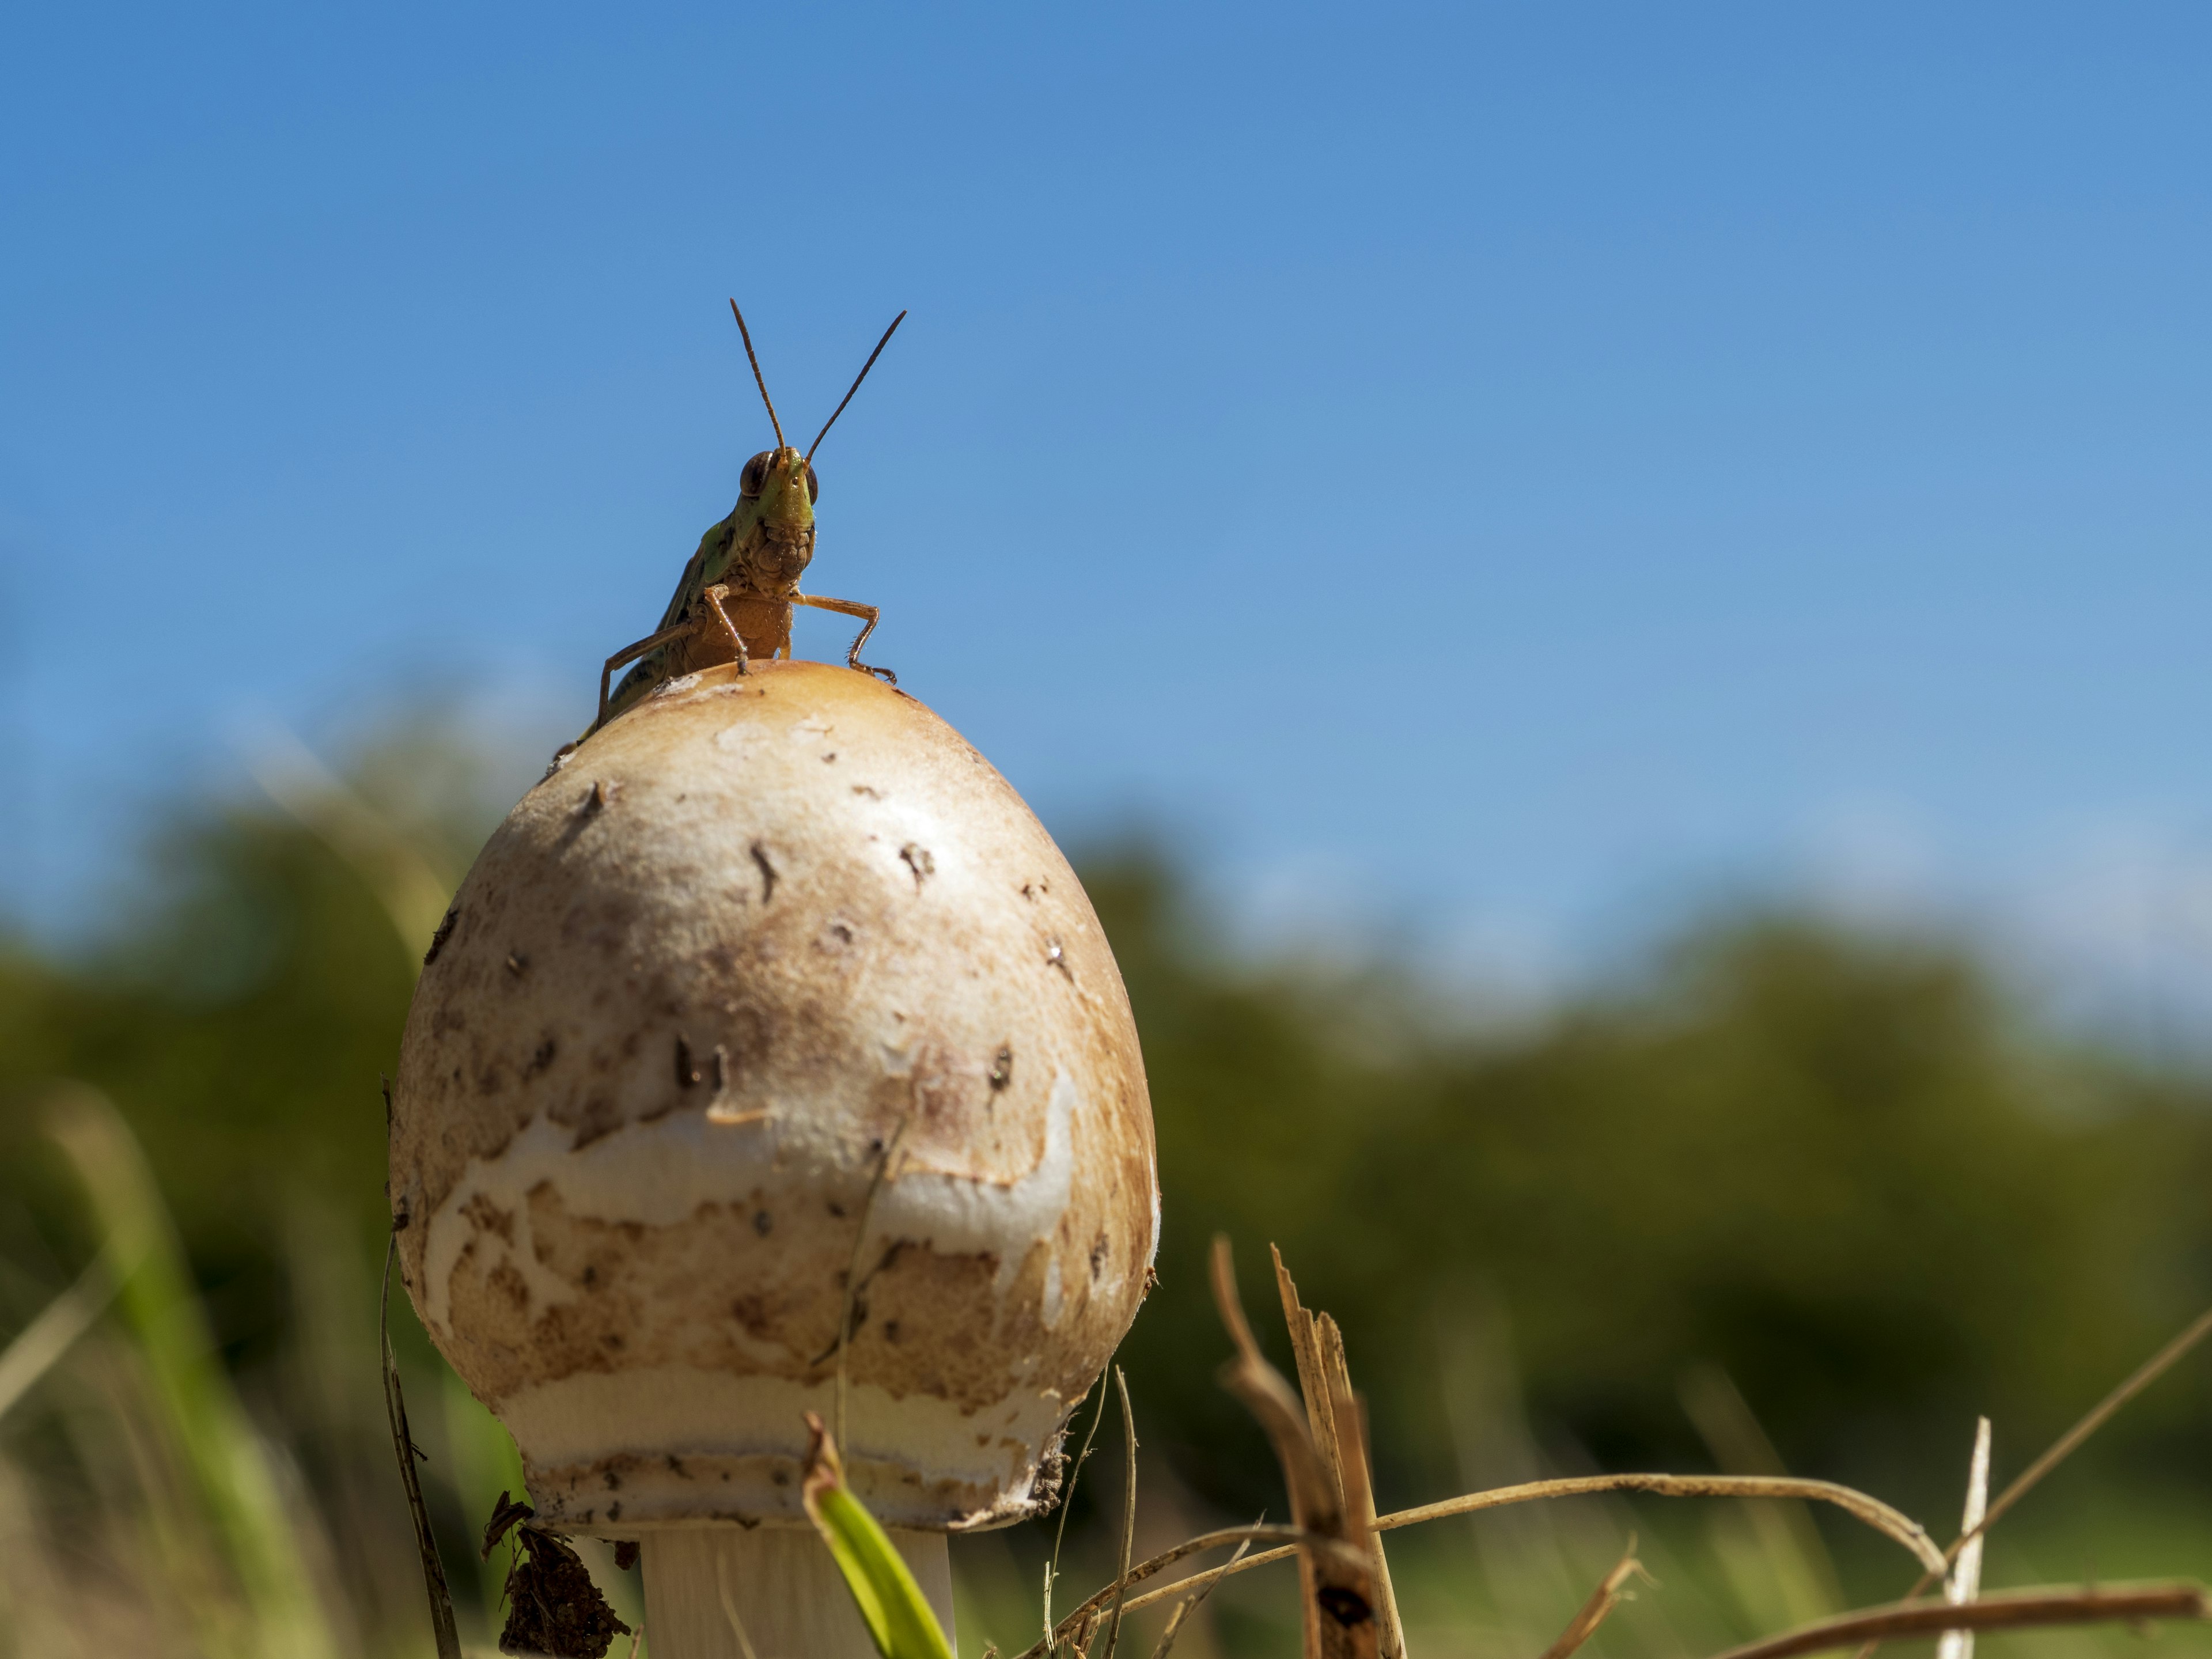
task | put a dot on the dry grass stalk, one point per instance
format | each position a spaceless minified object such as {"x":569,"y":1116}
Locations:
{"x":1190,"y":1604}
{"x":1967,"y":1574}
{"x":1332,"y":1502}
{"x":1337,"y":1418}
{"x":1074,"y":1620}
{"x":729,"y":1612}
{"x":1269,"y":1396}
{"x":39,"y":1346}
{"x":1339,"y":1615}
{"x":1128,"y":1515}
{"x":1857,"y":1504}
{"x":1602,"y":1600}
{"x":1872,"y":1510}
{"x":2012,"y":1610}
{"x":1066,"y":1501}
{"x":1801,"y":1570}
{"x":2062,"y":1448}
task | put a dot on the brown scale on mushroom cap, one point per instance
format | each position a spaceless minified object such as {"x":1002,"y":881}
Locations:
{"x":753,"y":933}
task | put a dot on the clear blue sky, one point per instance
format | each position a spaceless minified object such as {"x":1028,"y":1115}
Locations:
{"x":1475,"y":466}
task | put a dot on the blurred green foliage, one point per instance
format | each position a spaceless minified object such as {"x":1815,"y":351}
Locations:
{"x":1840,"y":1166}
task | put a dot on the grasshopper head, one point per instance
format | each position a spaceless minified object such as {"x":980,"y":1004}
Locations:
{"x":773,"y":529}
{"x":775,"y":519}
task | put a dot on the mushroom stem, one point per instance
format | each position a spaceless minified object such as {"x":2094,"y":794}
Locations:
{"x":784,"y":1585}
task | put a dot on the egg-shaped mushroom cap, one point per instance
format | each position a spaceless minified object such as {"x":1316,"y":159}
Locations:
{"x":771,"y":956}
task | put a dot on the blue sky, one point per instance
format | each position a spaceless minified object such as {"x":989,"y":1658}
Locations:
{"x":1487,"y":471}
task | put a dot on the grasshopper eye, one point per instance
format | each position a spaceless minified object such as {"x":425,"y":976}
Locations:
{"x":813,"y":485}
{"x":751,"y":481}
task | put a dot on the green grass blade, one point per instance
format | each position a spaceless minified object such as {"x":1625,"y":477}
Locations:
{"x":898,"y":1617}
{"x":199,"y":1411}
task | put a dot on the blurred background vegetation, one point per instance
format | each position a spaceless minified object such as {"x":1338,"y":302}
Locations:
{"x":1785,"y":1193}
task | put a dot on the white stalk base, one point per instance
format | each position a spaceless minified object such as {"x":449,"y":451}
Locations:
{"x":785,"y":1586}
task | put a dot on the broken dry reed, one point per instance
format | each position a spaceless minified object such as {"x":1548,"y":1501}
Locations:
{"x":1262,"y":1391}
{"x":1966,"y":1582}
{"x":1358,"y":1493}
{"x":1332,"y":1562}
{"x":2062,"y":1448}
{"x":2012,"y":1610}
{"x":1602,"y":1600}
{"x":1336,"y":1575}
{"x":1337,"y":1417}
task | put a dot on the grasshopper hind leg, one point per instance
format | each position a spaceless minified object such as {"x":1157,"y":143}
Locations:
{"x":647,"y":673}
{"x":650,"y":643}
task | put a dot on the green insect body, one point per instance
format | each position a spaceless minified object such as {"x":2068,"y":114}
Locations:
{"x":734,"y":602}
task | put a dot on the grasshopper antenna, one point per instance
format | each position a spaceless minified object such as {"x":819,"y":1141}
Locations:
{"x":746,"y":334}
{"x":856,"y":379}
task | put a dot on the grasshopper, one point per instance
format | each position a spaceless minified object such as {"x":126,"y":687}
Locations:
{"x":734,"y":601}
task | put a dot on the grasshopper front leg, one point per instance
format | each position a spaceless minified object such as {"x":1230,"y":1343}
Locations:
{"x":714,"y":596}
{"x":868,"y":614}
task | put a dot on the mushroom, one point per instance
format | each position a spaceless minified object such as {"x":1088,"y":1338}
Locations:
{"x":772,"y":1008}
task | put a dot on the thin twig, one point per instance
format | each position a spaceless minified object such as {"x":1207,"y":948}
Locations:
{"x":34,"y":1350}
{"x":1190,"y":1604}
{"x":1203,"y":1582}
{"x":1066,"y":1500}
{"x":1857,"y":1504}
{"x":1128,"y":1515}
{"x":2062,"y":1448}
{"x":442,"y":1628}
{"x":730,"y":1604}
{"x":1602,"y":1600}
{"x":1160,"y":1563}
{"x":1872,"y":1510}
{"x":852,"y":1270}
{"x":2011,"y":1611}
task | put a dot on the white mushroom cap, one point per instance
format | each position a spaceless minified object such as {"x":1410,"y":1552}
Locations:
{"x":692,"y":989}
